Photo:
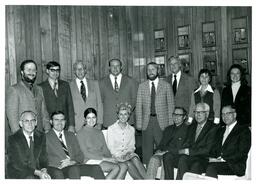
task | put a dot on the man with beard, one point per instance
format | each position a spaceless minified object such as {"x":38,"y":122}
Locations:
{"x":154,"y":108}
{"x":26,"y":96}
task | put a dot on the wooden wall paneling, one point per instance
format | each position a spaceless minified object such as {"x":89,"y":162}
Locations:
{"x":73,"y":45}
{"x":12,"y":68}
{"x":78,"y":28}
{"x":19,"y":35}
{"x":46,"y":38}
{"x":249,"y":12}
{"x":171,"y":36}
{"x":28,"y":26}
{"x":54,"y":33}
{"x":64,"y":38}
{"x":36,"y":41}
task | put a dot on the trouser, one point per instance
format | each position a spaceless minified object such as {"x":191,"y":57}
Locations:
{"x":170,"y":161}
{"x":71,"y":172}
{"x":215,"y":168}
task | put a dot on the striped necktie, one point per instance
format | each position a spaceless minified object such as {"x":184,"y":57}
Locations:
{"x":64,"y":147}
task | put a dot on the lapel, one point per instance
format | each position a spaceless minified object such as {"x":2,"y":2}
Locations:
{"x":27,"y":91}
{"x":49,"y":88}
{"x":89,"y":87}
{"x":182,"y":79}
{"x":37,"y":144}
{"x":109,"y":84}
{"x":159,"y":87}
{"x":68,"y":142}
{"x":203,"y":131}
{"x":22,"y":139}
{"x":123,"y":82}
{"x":239,"y":93}
{"x":232,"y":134}
{"x":229,"y":93}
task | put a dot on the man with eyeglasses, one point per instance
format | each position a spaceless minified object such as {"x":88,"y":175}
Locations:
{"x":57,"y":94}
{"x":232,"y":144}
{"x":195,"y":151}
{"x":27,"y":150}
{"x":173,"y":137}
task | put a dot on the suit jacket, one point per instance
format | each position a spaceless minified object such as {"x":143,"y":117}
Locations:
{"x":55,"y":151}
{"x":62,"y":103}
{"x":110,"y":98}
{"x":242,"y":103}
{"x":93,"y":100}
{"x":164,"y":104}
{"x":235,"y":148}
{"x":202,"y":146}
{"x":186,"y":86}
{"x":19,"y":99}
{"x":18,"y":155}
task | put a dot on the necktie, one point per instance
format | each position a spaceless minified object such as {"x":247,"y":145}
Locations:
{"x":174,"y":85}
{"x":116,"y":85}
{"x":31,"y":152}
{"x":64,"y":147}
{"x":198,"y":130}
{"x":153,"y":96}
{"x":83,"y":91}
{"x":55,"y":88}
{"x":225,"y":135}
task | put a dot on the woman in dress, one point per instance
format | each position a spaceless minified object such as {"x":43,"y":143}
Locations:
{"x":207,"y":94}
{"x":93,"y":145}
{"x":121,"y":142}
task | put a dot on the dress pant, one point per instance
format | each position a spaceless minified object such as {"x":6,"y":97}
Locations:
{"x":71,"y":172}
{"x":170,"y":161}
{"x":215,"y":168}
{"x":152,"y":135}
{"x":93,"y":171}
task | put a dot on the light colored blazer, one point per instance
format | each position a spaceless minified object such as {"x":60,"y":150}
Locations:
{"x":164,"y":104}
{"x":19,"y":99}
{"x":93,"y":100}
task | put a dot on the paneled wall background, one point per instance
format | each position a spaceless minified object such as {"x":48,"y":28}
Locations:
{"x":96,"y":34}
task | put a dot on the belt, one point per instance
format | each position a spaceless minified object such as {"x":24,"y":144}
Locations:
{"x":153,"y":115}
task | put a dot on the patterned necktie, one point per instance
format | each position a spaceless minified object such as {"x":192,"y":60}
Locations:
{"x":225,"y":135}
{"x":83,"y":91}
{"x":55,"y":90}
{"x":64,"y":147}
{"x":198,"y":130}
{"x":31,"y":152}
{"x":174,"y":85}
{"x":116,"y":85}
{"x":153,"y":96}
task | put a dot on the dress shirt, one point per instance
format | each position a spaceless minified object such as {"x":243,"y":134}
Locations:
{"x":156,"y":81}
{"x":27,"y":137}
{"x":52,"y":82}
{"x":118,"y":80}
{"x":177,"y":78}
{"x":229,"y":128}
{"x":235,"y":87}
{"x":63,"y":136}
{"x":78,"y":83}
{"x":120,"y":140}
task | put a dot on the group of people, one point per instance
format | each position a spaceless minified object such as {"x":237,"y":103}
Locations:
{"x":87,"y":127}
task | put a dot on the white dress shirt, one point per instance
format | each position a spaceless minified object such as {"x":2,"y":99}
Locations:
{"x":235,"y":87}
{"x":27,"y":137}
{"x":227,"y":131}
{"x":156,"y":81}
{"x":78,"y":83}
{"x":178,"y":75}
{"x":118,"y":80}
{"x":52,"y":83}
{"x":63,"y":136}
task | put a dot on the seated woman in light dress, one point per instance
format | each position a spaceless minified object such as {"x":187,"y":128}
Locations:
{"x":121,"y":142}
{"x":93,"y":145}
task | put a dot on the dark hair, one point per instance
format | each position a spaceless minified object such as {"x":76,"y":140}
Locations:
{"x":181,"y":108}
{"x":56,"y":113}
{"x":52,"y":64}
{"x":115,"y":59}
{"x":232,"y":106}
{"x":90,"y":110}
{"x":174,"y":57}
{"x":22,"y":65}
{"x":152,"y":63}
{"x":206,"y":71}
{"x":242,"y":75}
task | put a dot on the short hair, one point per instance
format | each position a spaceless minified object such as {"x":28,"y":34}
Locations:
{"x":115,"y":59}
{"x":204,"y":105}
{"x":181,"y":108}
{"x":174,"y":57}
{"x":152,"y":63}
{"x":124,"y":106}
{"x":28,"y":111}
{"x":90,"y":110}
{"x":206,"y":71}
{"x":57,"y":113}
{"x":22,"y":65}
{"x":242,"y":75}
{"x":232,"y":106}
{"x":52,"y":64}
{"x":78,"y":62}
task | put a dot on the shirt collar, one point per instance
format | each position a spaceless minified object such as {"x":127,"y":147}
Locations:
{"x":28,"y":85}
{"x":202,"y":124}
{"x":237,"y":84}
{"x":119,"y":76}
{"x":155,"y":81}
{"x":51,"y":82}
{"x":209,"y":88}
{"x":27,"y":136}
{"x":231,"y":126}
{"x":58,"y":133}
{"x":78,"y":81}
{"x":178,"y":74}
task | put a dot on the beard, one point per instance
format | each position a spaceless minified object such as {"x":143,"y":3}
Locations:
{"x":152,"y":77}
{"x":27,"y":79}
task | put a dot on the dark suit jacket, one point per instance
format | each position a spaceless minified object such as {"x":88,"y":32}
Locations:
{"x":235,"y":148}
{"x":242,"y":103}
{"x":110,"y":98}
{"x":173,"y":138}
{"x":202,"y":146}
{"x":186,"y":86}
{"x":62,"y":103}
{"x":55,"y":151}
{"x":18,"y":155}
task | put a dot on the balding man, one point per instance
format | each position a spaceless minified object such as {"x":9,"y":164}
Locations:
{"x":27,"y":157}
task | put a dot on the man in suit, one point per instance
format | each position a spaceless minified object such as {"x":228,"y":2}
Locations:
{"x":27,"y":150}
{"x":64,"y":154}
{"x":172,"y":140}
{"x":195,"y":151}
{"x":85,"y":94}
{"x":154,"y":108}
{"x":181,"y":83}
{"x":57,"y":94}
{"x":24,"y":96}
{"x":230,"y":151}
{"x":117,"y":88}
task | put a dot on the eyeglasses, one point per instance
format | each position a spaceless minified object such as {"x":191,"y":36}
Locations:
{"x":227,"y":113}
{"x":174,"y":114}
{"x":54,"y":70}
{"x":29,"y":121}
{"x":199,"y":112}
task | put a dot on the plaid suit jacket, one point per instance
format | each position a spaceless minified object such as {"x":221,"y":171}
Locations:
{"x":164,"y":104}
